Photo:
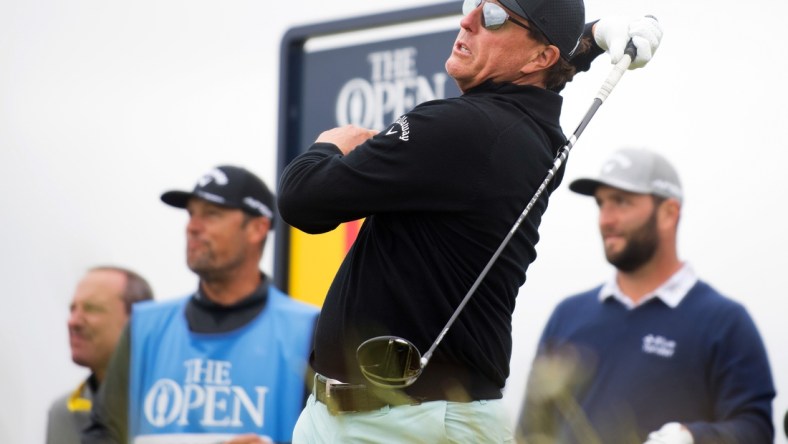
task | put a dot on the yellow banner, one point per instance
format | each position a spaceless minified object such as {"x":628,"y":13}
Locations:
{"x":315,"y":259}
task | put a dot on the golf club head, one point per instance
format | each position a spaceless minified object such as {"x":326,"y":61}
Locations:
{"x":389,"y":362}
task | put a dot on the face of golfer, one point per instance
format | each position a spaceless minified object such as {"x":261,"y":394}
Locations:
{"x":628,"y":224}
{"x":98,"y":316}
{"x":219,"y":239}
{"x":480,"y":54}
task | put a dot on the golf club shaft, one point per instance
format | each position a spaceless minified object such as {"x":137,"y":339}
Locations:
{"x":610,"y":82}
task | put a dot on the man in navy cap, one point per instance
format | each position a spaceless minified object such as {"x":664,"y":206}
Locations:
{"x":655,"y":354}
{"x":439,"y":189}
{"x":227,"y":363}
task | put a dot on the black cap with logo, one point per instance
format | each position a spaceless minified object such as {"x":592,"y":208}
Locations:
{"x":561,"y":21}
{"x":228,"y":186}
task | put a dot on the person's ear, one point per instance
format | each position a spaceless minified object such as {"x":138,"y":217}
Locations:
{"x":669,"y":211}
{"x":543,"y":59}
{"x":258,"y":228}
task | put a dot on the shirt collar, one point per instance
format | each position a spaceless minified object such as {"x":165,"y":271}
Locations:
{"x":671,"y":292}
{"x":259,"y":295}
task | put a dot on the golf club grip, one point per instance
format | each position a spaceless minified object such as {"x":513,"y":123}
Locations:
{"x":631,"y":50}
{"x":612,"y":79}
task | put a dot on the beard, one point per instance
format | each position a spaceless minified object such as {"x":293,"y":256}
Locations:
{"x":205,"y":270}
{"x":640,"y":246}
{"x":210,"y":267}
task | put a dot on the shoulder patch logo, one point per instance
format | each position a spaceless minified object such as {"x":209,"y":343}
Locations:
{"x":402,"y":122}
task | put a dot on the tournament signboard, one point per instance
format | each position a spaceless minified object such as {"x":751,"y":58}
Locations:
{"x":365,"y":71}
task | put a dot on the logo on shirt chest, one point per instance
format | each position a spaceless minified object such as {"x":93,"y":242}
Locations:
{"x":659,"y":345}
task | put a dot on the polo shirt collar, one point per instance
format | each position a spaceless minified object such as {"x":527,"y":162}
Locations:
{"x":671,"y":292}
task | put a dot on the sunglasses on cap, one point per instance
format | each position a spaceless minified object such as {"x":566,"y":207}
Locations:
{"x":493,"y":15}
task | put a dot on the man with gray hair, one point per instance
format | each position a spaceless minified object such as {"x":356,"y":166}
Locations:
{"x":655,"y":354}
{"x":100,"y":309}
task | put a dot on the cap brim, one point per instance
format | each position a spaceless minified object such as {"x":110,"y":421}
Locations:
{"x":585,"y":186}
{"x":588,"y":186}
{"x":177,"y":199}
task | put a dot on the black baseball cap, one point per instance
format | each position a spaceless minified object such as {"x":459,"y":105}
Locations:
{"x":561,"y":21}
{"x":228,"y":186}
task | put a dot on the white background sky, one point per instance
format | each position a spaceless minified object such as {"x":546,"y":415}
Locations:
{"x":104,"y":105}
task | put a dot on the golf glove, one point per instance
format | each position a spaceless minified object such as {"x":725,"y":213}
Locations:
{"x":670,"y":433}
{"x":613,"y":33}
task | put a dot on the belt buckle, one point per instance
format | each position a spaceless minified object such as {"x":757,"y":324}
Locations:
{"x":329,"y":384}
{"x":331,"y":404}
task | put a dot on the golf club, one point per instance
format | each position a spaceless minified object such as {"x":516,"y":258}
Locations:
{"x":393,"y":362}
